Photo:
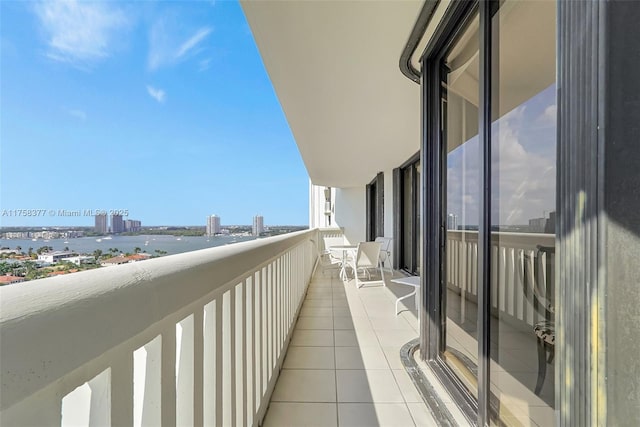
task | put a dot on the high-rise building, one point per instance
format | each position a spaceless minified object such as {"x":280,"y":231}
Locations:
{"x":213,"y":225}
{"x":101,"y":224}
{"x":452,"y":222}
{"x":537,"y":225}
{"x":132,"y":225}
{"x":117,"y":224}
{"x":258,"y":225}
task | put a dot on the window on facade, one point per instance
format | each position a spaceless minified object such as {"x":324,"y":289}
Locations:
{"x":375,"y":208}
{"x":409,"y":227}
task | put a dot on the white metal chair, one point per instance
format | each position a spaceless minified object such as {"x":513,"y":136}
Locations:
{"x":367,"y":257}
{"x":324,"y":260}
{"x":385,"y":252}
{"x":328,"y":259}
{"x":331,"y":241}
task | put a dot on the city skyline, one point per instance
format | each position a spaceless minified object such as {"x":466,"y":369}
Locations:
{"x":148,"y":107}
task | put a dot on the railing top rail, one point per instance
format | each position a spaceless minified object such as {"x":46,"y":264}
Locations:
{"x":43,"y":321}
{"x":505,"y":238}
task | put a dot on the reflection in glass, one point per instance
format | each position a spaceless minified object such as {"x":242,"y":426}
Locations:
{"x":418,"y":193}
{"x":523,"y":189}
{"x":460,"y":105}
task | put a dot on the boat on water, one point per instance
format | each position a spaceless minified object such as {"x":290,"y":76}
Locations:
{"x":107,"y":238}
{"x":66,"y":241}
{"x":179,"y":238}
{"x":34,"y":240}
{"x":98,"y":240}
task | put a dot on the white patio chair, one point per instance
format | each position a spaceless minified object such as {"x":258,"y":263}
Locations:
{"x":367,"y":257}
{"x":328,"y":259}
{"x":385,"y":252}
{"x":331,"y":241}
{"x":325,"y":260}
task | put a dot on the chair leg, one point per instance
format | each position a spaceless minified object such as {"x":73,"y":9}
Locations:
{"x":542,"y":366}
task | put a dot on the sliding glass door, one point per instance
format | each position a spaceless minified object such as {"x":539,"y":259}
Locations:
{"x":523,"y":200}
{"x":460,"y":140}
{"x":490,"y":146}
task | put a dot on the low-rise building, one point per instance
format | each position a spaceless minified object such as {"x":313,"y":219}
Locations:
{"x":7,"y":280}
{"x":121,"y":259}
{"x":79,"y":259}
{"x":55,"y":256}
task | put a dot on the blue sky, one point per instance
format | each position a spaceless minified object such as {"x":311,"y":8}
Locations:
{"x":161,"y":108}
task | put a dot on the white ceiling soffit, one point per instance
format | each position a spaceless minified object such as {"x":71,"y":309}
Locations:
{"x":334,"y":67}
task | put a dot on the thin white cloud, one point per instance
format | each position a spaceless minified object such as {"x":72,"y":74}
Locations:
{"x":78,"y":114}
{"x":79,"y":33}
{"x":157,"y":94}
{"x":200,"y":35}
{"x":164,"y":50}
{"x":549,"y":115}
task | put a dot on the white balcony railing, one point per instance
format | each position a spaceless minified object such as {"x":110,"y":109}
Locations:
{"x":190,"y":339}
{"x":509,"y":252}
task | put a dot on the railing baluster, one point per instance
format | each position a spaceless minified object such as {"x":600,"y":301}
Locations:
{"x":274,"y":310}
{"x":151,"y":400}
{"x":241,"y":363}
{"x":278,"y":304}
{"x":198,"y":366}
{"x":251,"y":351}
{"x":184,"y":383}
{"x":209,"y":365}
{"x":258,"y":339}
{"x":501,"y":287}
{"x":246,"y":363}
{"x":269,"y":322}
{"x":220,"y":325}
{"x":264,"y":338}
{"x":232,"y":356}
{"x":494,"y":277}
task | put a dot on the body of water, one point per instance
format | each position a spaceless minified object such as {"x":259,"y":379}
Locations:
{"x":149,"y":244}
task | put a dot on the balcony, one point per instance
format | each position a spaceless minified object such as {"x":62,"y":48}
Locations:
{"x":191,"y":339}
{"x":236,"y":335}
{"x":200,"y":339}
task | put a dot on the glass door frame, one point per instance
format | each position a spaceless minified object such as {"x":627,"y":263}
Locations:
{"x":433,"y":162}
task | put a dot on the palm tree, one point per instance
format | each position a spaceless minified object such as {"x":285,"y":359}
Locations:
{"x":137,"y":250}
{"x":97,"y":253}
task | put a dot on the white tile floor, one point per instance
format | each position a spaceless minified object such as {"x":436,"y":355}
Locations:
{"x":343,"y":365}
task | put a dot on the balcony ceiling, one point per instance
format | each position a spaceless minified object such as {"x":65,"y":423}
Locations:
{"x":334,"y":67}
